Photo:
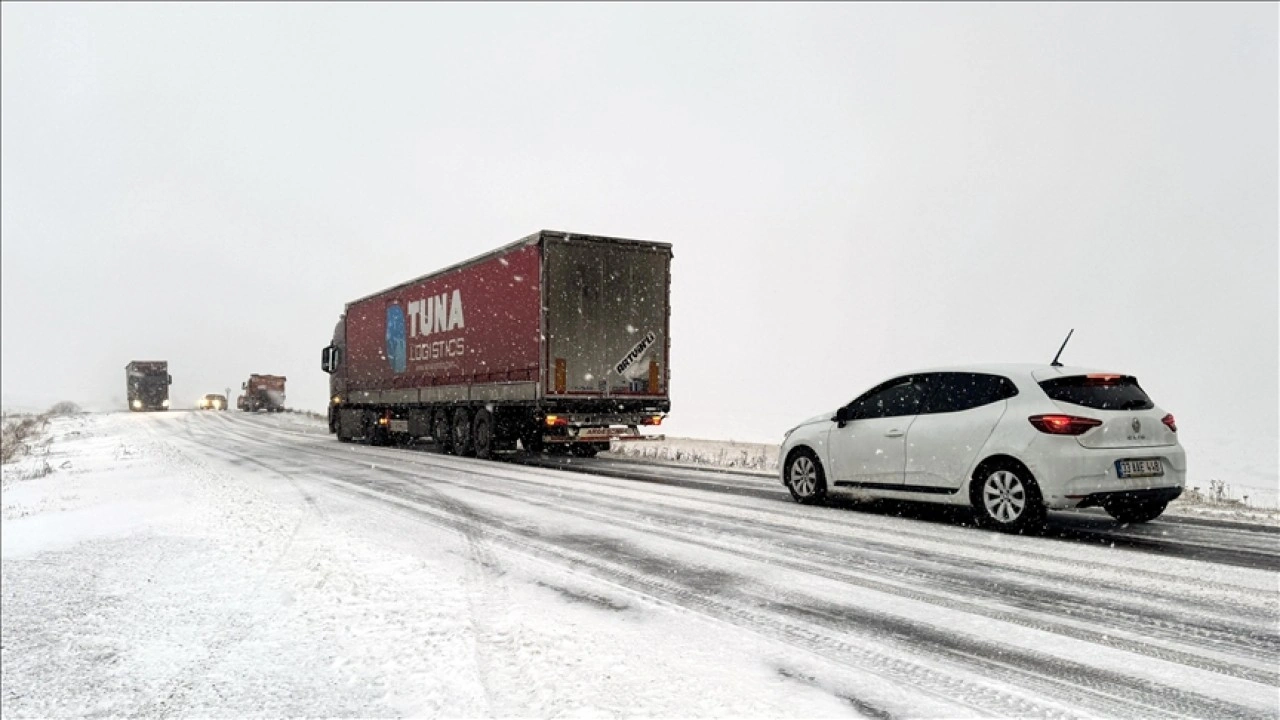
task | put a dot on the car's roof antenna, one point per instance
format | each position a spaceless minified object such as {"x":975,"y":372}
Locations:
{"x":1055,"y":362}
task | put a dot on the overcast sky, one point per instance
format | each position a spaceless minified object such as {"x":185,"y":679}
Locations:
{"x":851,"y":190}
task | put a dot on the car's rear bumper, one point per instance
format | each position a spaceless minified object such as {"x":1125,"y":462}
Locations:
{"x":1071,"y":476}
{"x":1150,"y":495}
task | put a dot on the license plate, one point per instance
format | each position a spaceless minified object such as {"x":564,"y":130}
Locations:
{"x":598,"y":434}
{"x":1139,"y":468}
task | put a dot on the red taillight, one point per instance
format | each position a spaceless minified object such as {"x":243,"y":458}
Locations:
{"x":652,"y":420}
{"x":1169,"y":422}
{"x":557,"y":421}
{"x":1063,"y":424}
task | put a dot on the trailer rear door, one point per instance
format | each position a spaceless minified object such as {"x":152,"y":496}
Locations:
{"x":607,"y":312}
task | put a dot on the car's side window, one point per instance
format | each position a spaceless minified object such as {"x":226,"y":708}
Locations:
{"x":895,"y":398}
{"x":956,"y":392}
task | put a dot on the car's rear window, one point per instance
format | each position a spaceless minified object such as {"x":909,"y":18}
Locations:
{"x":1100,"y":392}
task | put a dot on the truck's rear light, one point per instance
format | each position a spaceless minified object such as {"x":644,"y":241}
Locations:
{"x":1063,"y":424}
{"x":1169,"y":422}
{"x":557,"y":421}
{"x":652,"y":420}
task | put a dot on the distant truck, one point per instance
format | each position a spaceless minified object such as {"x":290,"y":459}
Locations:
{"x":558,"y":341}
{"x":262,"y":392}
{"x":147,"y":383}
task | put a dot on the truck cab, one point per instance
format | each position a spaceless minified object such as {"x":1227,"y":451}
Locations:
{"x":147,"y":385}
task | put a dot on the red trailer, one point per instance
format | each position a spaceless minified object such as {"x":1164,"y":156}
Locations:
{"x":557,"y":340}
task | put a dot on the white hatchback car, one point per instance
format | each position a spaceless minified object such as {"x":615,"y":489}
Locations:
{"x":1009,"y":440}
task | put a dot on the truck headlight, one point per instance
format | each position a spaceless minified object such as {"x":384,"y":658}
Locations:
{"x":137,"y":404}
{"x":164,"y":403}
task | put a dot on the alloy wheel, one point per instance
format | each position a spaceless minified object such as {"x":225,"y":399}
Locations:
{"x":1004,"y":496}
{"x":804,"y":476}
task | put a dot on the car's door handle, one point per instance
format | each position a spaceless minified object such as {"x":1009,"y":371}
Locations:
{"x":894,"y":433}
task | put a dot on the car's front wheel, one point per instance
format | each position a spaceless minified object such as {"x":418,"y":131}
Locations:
{"x":805,"y":478}
{"x":1008,"y":498}
{"x":1135,"y":511}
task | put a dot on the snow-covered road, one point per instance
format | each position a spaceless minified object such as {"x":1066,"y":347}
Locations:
{"x":224,"y":564}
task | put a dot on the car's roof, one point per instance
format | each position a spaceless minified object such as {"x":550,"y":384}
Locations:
{"x":1040,"y":370}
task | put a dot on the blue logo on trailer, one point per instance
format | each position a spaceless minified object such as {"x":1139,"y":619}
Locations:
{"x":396,"y":351}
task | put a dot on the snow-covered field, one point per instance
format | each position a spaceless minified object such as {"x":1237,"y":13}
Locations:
{"x":227,"y":565}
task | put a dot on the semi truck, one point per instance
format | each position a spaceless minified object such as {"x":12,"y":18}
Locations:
{"x":558,"y":341}
{"x":262,"y":392}
{"x":147,"y":385}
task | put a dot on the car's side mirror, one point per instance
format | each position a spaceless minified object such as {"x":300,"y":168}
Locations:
{"x":843,"y":415}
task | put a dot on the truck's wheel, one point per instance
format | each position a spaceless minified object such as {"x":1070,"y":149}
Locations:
{"x":482,"y":434}
{"x":462,"y":442}
{"x":442,"y":433}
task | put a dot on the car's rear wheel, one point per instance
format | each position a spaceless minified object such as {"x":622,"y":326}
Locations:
{"x":805,"y":478}
{"x":1008,"y":498}
{"x":1135,"y":511}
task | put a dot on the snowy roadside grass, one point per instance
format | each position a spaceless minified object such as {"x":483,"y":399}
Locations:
{"x":24,"y":441}
{"x":1219,"y":503}
{"x":18,"y":434}
{"x":308,"y":414}
{"x":719,"y":454}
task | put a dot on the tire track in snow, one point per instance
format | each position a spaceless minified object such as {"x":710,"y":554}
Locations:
{"x":499,"y":643}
